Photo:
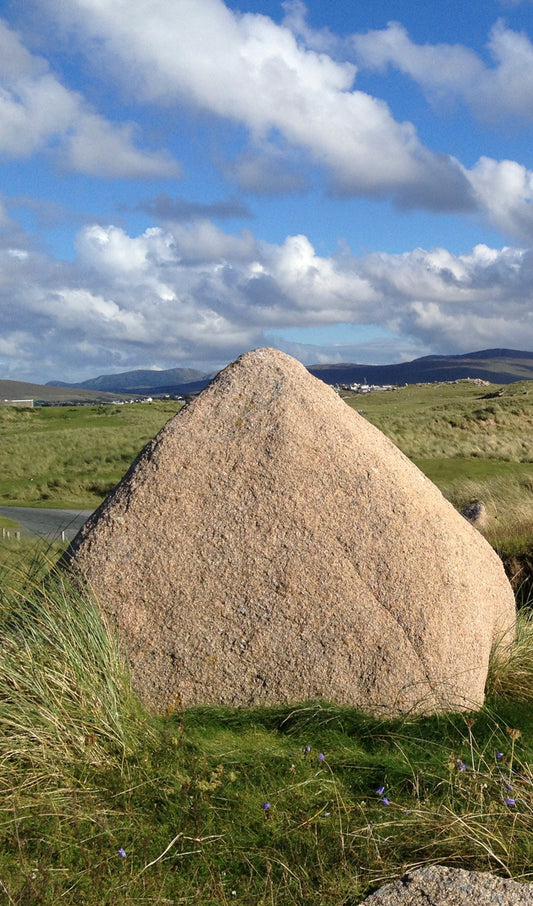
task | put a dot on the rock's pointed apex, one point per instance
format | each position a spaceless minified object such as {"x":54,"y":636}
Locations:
{"x":263,"y":359}
{"x":271,"y":546}
{"x":263,"y":354}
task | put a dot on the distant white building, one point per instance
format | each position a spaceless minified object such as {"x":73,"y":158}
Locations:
{"x":27,"y":404}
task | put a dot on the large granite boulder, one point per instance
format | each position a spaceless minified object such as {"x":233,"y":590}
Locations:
{"x":270,"y":545}
{"x":436,"y":885}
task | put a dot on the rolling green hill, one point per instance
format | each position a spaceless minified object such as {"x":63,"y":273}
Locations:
{"x":42,"y":393}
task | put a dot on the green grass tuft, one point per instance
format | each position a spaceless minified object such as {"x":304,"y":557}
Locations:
{"x":511,"y":670}
{"x":65,"y":693}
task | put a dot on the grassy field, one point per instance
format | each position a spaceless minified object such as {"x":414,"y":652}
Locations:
{"x":104,"y":803}
{"x":457,"y":433}
{"x":463,"y":419}
{"x":72,"y":456}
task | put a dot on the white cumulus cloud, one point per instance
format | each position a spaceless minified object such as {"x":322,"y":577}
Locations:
{"x":198,"y":295}
{"x":299,"y":100}
{"x":37,"y":112}
{"x":252,"y":71}
{"x":455,"y":71}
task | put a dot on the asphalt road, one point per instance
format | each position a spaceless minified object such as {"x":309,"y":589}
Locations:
{"x":46,"y":523}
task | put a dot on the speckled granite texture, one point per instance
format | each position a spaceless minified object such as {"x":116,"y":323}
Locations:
{"x":270,"y":546}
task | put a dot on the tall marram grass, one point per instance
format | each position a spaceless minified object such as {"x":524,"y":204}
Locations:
{"x":65,"y":693}
{"x":510,"y":675}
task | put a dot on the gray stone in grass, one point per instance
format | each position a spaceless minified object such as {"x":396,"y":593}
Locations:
{"x":476,"y":513}
{"x":437,"y":885}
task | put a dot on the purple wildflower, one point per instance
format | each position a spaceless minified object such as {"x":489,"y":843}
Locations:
{"x":321,"y":757}
{"x":266,"y":806}
{"x":380,"y":790}
{"x":122,"y":852}
{"x":499,"y":754}
{"x":509,"y":801}
{"x":385,"y":801}
{"x":308,"y":748}
{"x":463,"y":767}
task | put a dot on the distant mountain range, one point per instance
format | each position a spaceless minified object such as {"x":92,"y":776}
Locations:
{"x":500,"y":366}
{"x":142,"y":382}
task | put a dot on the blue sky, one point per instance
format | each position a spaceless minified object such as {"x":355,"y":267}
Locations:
{"x":184,"y":180}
